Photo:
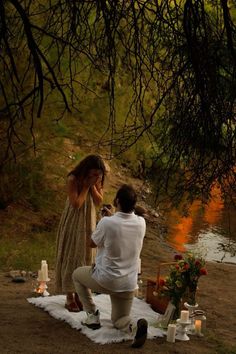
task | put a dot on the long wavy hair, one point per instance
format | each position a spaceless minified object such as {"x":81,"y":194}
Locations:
{"x":90,"y":162}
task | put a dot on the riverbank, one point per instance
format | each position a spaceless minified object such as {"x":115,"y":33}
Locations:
{"x":29,"y":330}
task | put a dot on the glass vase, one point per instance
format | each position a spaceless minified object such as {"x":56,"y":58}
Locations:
{"x":191,"y":309}
{"x":191,"y":299}
{"x":177,"y":304}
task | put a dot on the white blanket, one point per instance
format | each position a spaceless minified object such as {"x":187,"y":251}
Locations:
{"x":54,"y":305}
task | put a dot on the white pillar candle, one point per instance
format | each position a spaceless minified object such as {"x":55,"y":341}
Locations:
{"x":44,"y":269}
{"x":139,"y":266}
{"x":184,"y":316}
{"x":198,"y":326}
{"x":40,"y":278}
{"x":171,"y":331}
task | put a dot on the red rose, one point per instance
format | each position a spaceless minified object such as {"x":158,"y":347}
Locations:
{"x":197,"y":263}
{"x":203,"y":271}
{"x":162,"y":282}
{"x":177,"y":266}
{"x":178,"y":257}
{"x":186,"y":266}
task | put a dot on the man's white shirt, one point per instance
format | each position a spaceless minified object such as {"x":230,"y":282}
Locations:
{"x":119,"y":240}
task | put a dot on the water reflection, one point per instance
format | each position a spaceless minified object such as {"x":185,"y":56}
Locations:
{"x":213,"y":210}
{"x":210,"y":229}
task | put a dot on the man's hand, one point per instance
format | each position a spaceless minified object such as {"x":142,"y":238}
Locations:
{"x":107,"y":210}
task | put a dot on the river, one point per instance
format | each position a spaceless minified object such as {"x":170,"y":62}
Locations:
{"x":208,"y":229}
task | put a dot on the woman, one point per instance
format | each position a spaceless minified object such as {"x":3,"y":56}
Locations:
{"x":78,"y":220}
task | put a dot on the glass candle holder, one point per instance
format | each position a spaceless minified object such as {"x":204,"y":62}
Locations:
{"x":202,"y":318}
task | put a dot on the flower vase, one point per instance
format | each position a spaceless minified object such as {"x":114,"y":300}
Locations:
{"x":191,"y":296}
{"x":191,"y":309}
{"x":177,"y":305}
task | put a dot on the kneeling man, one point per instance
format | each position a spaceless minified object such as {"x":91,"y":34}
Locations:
{"x":119,"y":240}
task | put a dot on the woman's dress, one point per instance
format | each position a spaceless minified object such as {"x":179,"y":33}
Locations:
{"x":72,"y":246}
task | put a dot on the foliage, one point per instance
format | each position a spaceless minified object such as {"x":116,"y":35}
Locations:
{"x":183,"y":278}
{"x":175,"y":60}
{"x":62,"y":130}
{"x":26,"y":182}
{"x":26,"y":254}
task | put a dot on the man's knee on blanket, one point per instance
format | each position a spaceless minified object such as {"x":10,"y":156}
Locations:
{"x":123,"y":323}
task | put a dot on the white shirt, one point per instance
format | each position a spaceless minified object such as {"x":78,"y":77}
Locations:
{"x":119,"y":239}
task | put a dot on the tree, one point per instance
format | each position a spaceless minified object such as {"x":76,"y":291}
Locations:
{"x":177,"y":56}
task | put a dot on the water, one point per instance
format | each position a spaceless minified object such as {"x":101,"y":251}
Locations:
{"x":209,"y":229}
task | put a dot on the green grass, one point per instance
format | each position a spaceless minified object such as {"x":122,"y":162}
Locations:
{"x":27,"y":254}
{"x":225,"y":350}
{"x":221,"y":347}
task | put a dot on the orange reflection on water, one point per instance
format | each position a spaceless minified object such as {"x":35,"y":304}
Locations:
{"x":181,"y":231}
{"x":212,"y":210}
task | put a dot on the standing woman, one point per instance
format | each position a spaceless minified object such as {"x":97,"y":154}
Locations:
{"x":78,"y":221}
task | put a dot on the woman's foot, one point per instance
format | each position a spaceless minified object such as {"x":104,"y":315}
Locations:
{"x":71,"y":304}
{"x":78,"y":302}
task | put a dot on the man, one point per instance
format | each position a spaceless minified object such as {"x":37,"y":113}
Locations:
{"x":119,"y":240}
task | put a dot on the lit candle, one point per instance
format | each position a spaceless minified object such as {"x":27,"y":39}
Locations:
{"x":170,"y":337}
{"x":184,"y":316}
{"x":44,"y":270}
{"x":139,"y":266}
{"x":198,"y":326}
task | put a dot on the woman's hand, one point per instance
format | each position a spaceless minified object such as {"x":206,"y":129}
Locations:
{"x":93,"y":179}
{"x":90,"y":181}
{"x":97,"y":194}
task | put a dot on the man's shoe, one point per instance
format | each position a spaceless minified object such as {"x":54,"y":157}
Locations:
{"x":141,"y":333}
{"x":93,"y":320}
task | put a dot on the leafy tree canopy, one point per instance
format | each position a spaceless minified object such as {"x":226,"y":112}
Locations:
{"x":177,"y":57}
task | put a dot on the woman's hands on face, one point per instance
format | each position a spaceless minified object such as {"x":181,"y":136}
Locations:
{"x":94,"y":178}
{"x":91,"y":181}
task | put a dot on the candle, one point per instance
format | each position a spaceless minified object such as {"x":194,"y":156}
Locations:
{"x":139,"y":266}
{"x":44,"y":270}
{"x":40,"y":277}
{"x":198,"y":326}
{"x":171,"y":331}
{"x":184,"y":316}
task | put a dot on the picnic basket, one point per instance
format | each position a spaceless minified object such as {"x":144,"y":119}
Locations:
{"x":157,"y":301}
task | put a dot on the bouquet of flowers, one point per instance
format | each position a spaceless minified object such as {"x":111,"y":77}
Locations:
{"x":183,"y":278}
